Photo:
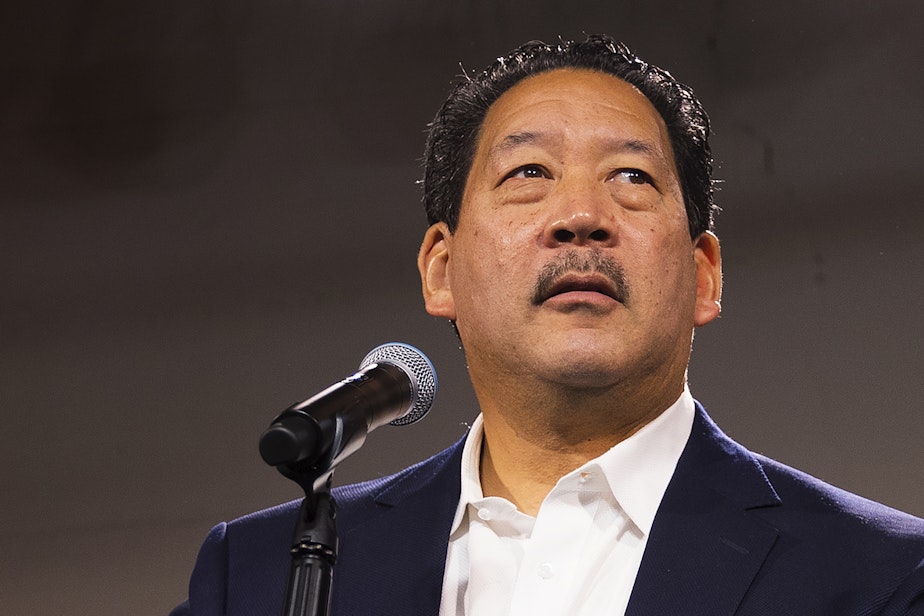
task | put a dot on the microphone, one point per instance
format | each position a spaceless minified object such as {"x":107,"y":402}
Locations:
{"x":395,"y":384}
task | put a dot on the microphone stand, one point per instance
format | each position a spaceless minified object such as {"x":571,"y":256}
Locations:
{"x":314,"y":544}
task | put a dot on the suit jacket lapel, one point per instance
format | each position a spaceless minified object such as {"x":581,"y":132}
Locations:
{"x":705,"y":548}
{"x":401,"y":537}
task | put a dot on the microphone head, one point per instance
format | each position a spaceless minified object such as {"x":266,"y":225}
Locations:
{"x":419,"y":371}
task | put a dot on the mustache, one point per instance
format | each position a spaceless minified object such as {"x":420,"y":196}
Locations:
{"x":582,"y":262}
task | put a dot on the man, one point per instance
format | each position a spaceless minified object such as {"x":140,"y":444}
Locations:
{"x":569,"y":193}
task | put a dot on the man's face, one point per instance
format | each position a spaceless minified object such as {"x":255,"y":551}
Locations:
{"x":572,"y":261}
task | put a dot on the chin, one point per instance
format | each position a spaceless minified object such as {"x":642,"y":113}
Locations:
{"x":584,"y":371}
{"x":585,"y":359}
{"x":586,"y":377}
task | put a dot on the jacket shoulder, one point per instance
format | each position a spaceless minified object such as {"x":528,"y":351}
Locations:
{"x":813,"y":500}
{"x":350,"y":497}
{"x":244,"y":564}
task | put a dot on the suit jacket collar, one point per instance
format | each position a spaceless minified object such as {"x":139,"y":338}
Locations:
{"x":704,"y":545}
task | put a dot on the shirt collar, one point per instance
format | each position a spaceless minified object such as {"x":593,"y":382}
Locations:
{"x":637,"y":469}
{"x":471,"y":478}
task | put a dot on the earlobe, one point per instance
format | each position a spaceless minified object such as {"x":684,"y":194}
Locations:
{"x":433,"y":264}
{"x":708,"y":258}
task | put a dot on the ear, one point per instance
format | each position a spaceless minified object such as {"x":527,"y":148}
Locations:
{"x":708,"y":259}
{"x":433,"y":264}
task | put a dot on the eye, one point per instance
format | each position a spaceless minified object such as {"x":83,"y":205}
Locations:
{"x":528,"y":172}
{"x":631,"y":176}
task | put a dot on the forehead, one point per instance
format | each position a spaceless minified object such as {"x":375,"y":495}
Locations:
{"x":578,"y":101}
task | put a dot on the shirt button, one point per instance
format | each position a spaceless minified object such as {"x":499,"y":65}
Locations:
{"x":484,"y":514}
{"x":545,"y":571}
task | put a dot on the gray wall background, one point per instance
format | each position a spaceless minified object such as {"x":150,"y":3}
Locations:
{"x":208,"y":211}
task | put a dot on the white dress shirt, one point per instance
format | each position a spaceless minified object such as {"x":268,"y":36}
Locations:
{"x":581,"y":553}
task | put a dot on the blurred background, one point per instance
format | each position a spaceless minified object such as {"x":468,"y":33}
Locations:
{"x":208,"y":211}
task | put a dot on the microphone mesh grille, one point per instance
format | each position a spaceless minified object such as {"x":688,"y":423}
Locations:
{"x":418,"y":369}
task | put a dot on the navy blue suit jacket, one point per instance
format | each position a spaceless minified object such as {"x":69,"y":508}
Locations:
{"x":736,"y":533}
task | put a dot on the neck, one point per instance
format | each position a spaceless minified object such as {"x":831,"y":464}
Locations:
{"x":533,"y":439}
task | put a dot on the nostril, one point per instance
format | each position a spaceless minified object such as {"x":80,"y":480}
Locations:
{"x":563,"y":235}
{"x":599,"y":235}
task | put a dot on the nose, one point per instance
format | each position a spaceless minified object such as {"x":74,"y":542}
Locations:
{"x":583,"y":218}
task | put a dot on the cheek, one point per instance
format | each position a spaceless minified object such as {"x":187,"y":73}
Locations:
{"x":490,"y":271}
{"x":498,"y":247}
{"x":668,"y":264}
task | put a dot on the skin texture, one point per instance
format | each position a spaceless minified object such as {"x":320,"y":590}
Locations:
{"x":571,"y":276}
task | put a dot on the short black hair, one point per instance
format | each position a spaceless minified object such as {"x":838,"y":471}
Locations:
{"x":453,"y":134}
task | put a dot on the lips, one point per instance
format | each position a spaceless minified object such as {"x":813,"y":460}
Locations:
{"x":582,"y":283}
{"x":585,"y":274}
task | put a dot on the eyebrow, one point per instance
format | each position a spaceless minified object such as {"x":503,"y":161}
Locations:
{"x":614,"y":144}
{"x":515,"y":140}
